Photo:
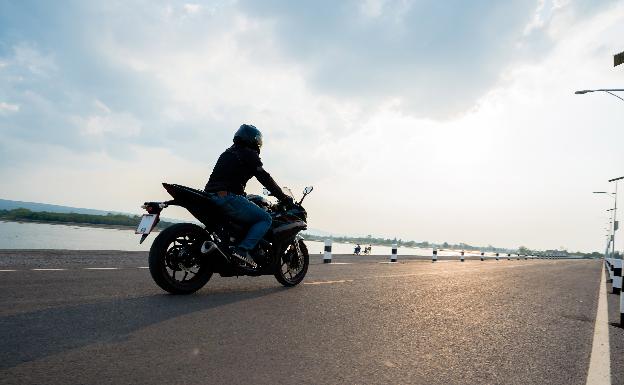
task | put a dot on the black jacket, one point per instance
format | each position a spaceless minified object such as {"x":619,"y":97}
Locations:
{"x":235,"y":167}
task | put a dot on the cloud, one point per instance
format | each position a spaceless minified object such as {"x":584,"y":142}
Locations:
{"x":192,"y":8}
{"x":6,"y":108}
{"x":119,"y":125}
{"x":438,"y":58}
{"x":452,"y":111}
{"x":28,"y":57}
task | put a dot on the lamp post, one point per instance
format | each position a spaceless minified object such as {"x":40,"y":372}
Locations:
{"x":610,"y":91}
{"x":614,"y":222}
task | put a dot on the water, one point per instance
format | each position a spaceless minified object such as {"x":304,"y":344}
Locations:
{"x":16,"y":235}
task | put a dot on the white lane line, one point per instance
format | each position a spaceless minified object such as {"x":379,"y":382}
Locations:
{"x":101,"y":268}
{"x":600,"y":361}
{"x":7,"y":270}
{"x":388,"y":262}
{"x":328,"y":282}
{"x":48,"y":269}
{"x":143,"y":267}
{"x":340,"y":263}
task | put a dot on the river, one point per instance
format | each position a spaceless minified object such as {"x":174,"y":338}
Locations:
{"x":28,"y":235}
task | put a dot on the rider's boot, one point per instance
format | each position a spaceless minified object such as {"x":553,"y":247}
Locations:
{"x":243,"y":258}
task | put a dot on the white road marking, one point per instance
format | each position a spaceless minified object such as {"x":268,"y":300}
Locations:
{"x":7,"y":270}
{"x":600,"y":362}
{"x":143,"y":267}
{"x":328,"y":282}
{"x":48,"y":269}
{"x":340,"y":263}
{"x":388,"y":262}
{"x":101,"y":268}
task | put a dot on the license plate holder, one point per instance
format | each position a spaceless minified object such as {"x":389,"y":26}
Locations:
{"x":148,"y":221}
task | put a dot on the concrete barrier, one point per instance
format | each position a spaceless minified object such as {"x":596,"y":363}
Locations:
{"x":327,"y":258}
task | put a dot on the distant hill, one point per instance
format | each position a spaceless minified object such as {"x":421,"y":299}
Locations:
{"x":6,"y":204}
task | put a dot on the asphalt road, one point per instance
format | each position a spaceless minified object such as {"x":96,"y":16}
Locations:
{"x":415,"y":322}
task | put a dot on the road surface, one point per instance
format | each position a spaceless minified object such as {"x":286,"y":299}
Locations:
{"x":100,"y":319}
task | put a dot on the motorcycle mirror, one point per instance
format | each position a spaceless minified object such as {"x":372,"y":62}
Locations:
{"x":266,"y":191}
{"x":306,"y":191}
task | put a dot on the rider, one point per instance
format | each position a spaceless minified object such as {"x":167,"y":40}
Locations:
{"x":234,"y":168}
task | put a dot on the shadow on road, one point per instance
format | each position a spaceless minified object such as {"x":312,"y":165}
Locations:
{"x":35,"y":335}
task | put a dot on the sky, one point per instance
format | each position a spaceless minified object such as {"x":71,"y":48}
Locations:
{"x":417,"y":119}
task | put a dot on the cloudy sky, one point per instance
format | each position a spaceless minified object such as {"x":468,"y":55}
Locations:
{"x":427,"y":120}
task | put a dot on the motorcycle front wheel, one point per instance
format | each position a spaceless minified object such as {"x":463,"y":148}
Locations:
{"x":175,"y":259}
{"x":293,"y":264}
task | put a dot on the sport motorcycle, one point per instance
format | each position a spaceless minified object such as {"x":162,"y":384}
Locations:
{"x":184,"y":256}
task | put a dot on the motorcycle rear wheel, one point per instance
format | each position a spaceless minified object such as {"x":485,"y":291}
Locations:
{"x":176,"y":254}
{"x":285,"y":270}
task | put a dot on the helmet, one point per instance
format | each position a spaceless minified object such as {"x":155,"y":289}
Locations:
{"x":248,"y":136}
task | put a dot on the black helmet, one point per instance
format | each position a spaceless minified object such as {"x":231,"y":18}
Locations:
{"x":248,"y":136}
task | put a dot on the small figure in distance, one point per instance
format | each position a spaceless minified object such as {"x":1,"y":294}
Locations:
{"x":357,"y":250}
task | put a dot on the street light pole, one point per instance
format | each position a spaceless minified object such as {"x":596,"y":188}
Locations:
{"x":609,"y":91}
{"x":615,"y":223}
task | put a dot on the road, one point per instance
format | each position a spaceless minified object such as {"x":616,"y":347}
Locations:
{"x":414,"y":322}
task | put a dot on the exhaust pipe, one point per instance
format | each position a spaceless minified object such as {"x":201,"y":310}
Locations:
{"x":209,"y":247}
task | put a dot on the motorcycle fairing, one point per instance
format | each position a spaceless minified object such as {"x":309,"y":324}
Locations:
{"x":289,"y":229}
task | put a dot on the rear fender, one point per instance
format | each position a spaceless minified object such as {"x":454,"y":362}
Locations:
{"x":197,"y":202}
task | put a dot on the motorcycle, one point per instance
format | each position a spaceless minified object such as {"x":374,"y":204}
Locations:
{"x":184,"y":256}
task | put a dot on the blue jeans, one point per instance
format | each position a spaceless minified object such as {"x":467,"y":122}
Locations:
{"x":241,"y":211}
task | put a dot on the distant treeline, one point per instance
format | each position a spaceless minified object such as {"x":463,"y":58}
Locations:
{"x":445,"y":245}
{"x":110,"y":219}
{"x":401,"y":243}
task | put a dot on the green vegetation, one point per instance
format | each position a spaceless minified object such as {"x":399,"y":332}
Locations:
{"x":110,"y":219}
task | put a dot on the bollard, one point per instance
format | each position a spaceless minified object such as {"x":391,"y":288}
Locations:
{"x":327,"y":258}
{"x":393,"y":258}
{"x":497,"y":256}
{"x":434,"y":257}
{"x":462,"y":256}
{"x":617,"y":276}
{"x":610,"y":266}
{"x":621,"y":299}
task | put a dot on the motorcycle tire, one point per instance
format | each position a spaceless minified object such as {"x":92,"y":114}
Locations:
{"x":288,"y":280}
{"x":161,"y":259}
